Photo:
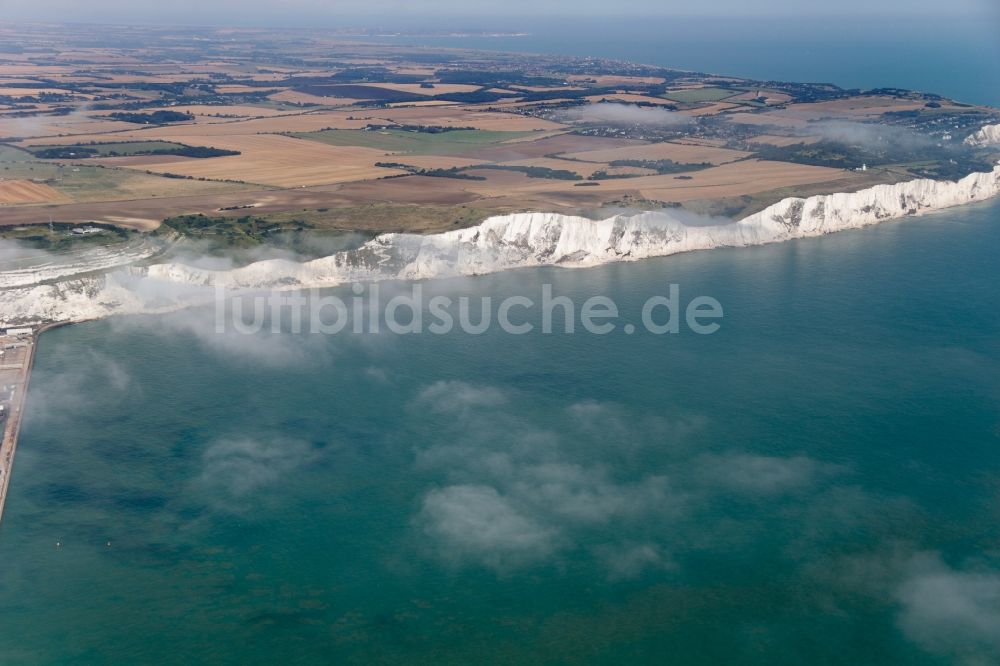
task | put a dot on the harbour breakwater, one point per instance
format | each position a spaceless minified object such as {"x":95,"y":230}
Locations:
{"x":17,"y":356}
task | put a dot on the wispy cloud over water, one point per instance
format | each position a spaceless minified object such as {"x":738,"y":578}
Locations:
{"x":951,"y":612}
{"x":512,"y":493}
{"x":239,"y":473}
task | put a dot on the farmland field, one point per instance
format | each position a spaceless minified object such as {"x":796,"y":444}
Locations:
{"x":698,"y":95}
{"x":121,"y":149}
{"x":312,"y":118}
{"x":28,"y":192}
{"x":421,"y":143}
{"x":80,"y":183}
{"x":282,"y":161}
{"x":678,"y":152}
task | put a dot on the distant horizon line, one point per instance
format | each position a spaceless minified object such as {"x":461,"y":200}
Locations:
{"x":469,"y":22}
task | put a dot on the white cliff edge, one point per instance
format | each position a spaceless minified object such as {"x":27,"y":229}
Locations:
{"x":497,"y":244}
{"x":989,"y":135}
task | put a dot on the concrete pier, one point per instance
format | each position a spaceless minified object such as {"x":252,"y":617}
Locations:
{"x":18,"y":347}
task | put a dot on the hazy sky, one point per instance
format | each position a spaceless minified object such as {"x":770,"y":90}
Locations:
{"x":305,"y":12}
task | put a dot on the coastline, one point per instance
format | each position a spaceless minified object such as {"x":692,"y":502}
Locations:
{"x":522,"y":240}
{"x":499,"y":243}
{"x":518,"y":240}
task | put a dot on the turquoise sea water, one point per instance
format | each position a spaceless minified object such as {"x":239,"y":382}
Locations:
{"x":816,"y":483}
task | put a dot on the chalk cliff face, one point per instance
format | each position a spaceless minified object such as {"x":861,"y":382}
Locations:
{"x":32,"y":267}
{"x":987,"y":136}
{"x":499,"y":243}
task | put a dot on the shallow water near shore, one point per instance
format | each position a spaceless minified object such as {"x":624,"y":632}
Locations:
{"x":803,"y":486}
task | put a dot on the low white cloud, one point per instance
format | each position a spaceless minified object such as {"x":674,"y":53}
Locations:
{"x":89,"y":380}
{"x":201,"y":326}
{"x":954,"y":613}
{"x":758,"y":474}
{"x":476,"y":521}
{"x":586,"y":495}
{"x":625,"y":115}
{"x":631,"y":560}
{"x":454,"y":396}
{"x":506,"y":474}
{"x":868,"y":135}
{"x":238,"y":472}
{"x":592,"y":479}
{"x":377,"y":375}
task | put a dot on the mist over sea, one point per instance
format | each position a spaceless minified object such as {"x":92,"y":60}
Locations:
{"x":815,"y":483}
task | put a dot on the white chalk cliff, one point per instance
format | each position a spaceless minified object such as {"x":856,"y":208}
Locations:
{"x":987,"y":136}
{"x":499,"y":243}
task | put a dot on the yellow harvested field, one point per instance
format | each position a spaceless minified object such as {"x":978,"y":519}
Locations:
{"x":32,"y":70}
{"x":678,"y":152}
{"x":292,"y":97}
{"x":294,"y":122}
{"x":729,"y":180}
{"x":546,"y":144}
{"x":772,"y":98}
{"x":206,"y":133}
{"x":798,"y":115}
{"x":629,"y":171}
{"x":53,"y":126}
{"x":864,"y":106}
{"x":133,"y":161}
{"x":281,"y":161}
{"x":210,"y":112}
{"x":27,"y":192}
{"x":31,"y":92}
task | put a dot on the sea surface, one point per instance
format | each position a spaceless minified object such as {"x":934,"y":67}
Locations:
{"x":818,"y":482}
{"x":957,"y":56}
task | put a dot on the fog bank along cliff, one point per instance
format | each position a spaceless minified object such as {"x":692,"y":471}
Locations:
{"x":497,"y":244}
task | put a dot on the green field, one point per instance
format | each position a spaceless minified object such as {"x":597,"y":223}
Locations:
{"x":12,"y":154}
{"x":416,"y":143}
{"x":697,"y":95}
{"x":95,"y":183}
